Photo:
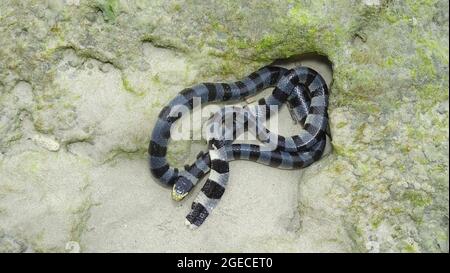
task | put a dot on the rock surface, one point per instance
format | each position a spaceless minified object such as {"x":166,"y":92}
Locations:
{"x":81,"y":83}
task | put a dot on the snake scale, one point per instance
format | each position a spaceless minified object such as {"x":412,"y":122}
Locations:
{"x":301,"y":88}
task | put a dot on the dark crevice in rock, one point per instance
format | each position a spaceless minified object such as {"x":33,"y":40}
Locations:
{"x":316,"y":61}
{"x":159,"y":43}
{"x":88,"y":54}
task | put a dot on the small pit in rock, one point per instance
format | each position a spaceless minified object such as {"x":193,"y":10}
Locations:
{"x":318,"y":62}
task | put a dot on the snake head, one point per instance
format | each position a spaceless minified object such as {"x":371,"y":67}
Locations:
{"x":181,"y":188}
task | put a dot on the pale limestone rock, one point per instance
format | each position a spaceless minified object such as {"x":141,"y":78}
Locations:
{"x":46,"y":142}
{"x":90,"y":78}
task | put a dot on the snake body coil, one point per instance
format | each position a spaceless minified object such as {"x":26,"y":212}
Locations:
{"x":306,"y":94}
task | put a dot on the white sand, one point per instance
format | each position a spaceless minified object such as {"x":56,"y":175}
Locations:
{"x":97,"y":199}
{"x":258,"y":211}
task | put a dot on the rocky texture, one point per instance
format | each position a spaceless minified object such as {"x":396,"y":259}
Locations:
{"x":81,"y":83}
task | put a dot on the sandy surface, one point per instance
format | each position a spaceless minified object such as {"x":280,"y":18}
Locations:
{"x":258,"y":209}
{"x":82,"y":83}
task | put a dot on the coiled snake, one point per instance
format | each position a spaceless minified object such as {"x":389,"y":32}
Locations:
{"x":302,"y":89}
